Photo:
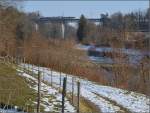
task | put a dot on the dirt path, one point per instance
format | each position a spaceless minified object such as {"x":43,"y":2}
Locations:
{"x":86,"y":106}
{"x":122,"y":109}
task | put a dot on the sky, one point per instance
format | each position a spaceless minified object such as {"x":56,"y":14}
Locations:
{"x":91,"y":9}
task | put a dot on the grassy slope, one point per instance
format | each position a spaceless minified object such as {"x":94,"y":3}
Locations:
{"x":14,"y":87}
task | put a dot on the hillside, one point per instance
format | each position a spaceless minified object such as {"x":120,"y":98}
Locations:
{"x":15,"y":90}
{"x":107,"y":99}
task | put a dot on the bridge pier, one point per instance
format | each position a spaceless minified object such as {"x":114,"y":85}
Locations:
{"x":36,"y":27}
{"x":63,"y":29}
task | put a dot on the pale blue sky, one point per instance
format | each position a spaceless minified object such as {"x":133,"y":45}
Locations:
{"x":88,"y":8}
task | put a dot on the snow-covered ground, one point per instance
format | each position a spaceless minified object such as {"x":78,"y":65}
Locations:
{"x":51,"y":99}
{"x":9,"y":111}
{"x":134,"y":55}
{"x":105,"y":60}
{"x":109,"y":49}
{"x":107,"y":99}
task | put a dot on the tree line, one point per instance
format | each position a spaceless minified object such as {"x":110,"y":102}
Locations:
{"x":129,"y":28}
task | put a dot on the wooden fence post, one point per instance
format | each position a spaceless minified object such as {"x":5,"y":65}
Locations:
{"x":43,"y":73}
{"x":60,"y":81}
{"x":51,"y":77}
{"x":72,"y":88}
{"x":12,"y":60}
{"x":32,"y":70}
{"x":24,"y":64}
{"x":28,"y":68}
{"x":63,"y":94}
{"x":39,"y":94}
{"x":78,"y":97}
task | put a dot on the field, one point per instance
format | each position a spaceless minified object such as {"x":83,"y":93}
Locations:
{"x":11,"y":96}
{"x":15,"y":90}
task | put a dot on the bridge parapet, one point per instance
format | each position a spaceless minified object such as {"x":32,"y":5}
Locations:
{"x":64,"y":19}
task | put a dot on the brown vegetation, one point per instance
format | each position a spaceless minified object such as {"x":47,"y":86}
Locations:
{"x":18,"y":38}
{"x":60,"y":55}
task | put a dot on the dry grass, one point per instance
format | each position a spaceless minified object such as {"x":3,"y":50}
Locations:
{"x":14,"y":89}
